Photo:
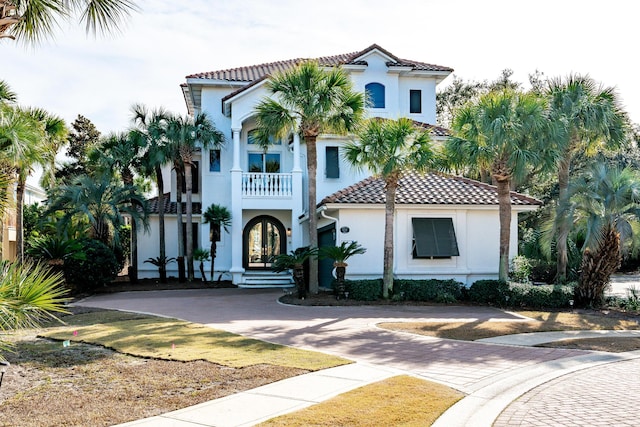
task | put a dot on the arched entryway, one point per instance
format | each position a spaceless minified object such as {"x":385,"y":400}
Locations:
{"x":264,"y":238}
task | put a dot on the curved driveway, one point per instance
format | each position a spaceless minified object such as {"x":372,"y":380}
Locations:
{"x":492,"y":375}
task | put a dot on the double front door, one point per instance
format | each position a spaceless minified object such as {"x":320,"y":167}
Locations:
{"x":264,"y":239}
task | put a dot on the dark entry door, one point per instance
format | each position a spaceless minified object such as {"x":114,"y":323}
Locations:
{"x":264,"y":239}
{"x":326,"y":237}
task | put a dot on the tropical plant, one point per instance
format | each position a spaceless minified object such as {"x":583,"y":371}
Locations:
{"x":99,"y":201}
{"x":501,"y":133}
{"x":151,"y":125}
{"x":202,"y":255}
{"x":589,"y":117}
{"x":604,"y":203}
{"x":309,"y":101}
{"x":187,"y":134}
{"x":54,"y":249}
{"x":216,"y":216}
{"x":32,"y":21}
{"x":294,"y":261}
{"x":98,"y":267}
{"x":29,"y":294}
{"x":340,"y":254}
{"x":389,"y":149}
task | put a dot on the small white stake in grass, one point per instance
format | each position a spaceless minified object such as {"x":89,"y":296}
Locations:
{"x":66,"y":343}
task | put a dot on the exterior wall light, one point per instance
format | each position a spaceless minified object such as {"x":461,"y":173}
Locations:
{"x":344,"y":230}
{"x":289,"y":232}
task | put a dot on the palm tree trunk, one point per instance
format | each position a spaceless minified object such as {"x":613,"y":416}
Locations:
{"x":189,"y":214}
{"x":389,"y":214}
{"x":161,"y":234}
{"x":312,"y":166}
{"x":214,"y":248}
{"x":179,"y":179}
{"x":19,"y":219}
{"x":504,"y":203}
{"x":596,"y":270}
{"x":133,"y":273}
{"x":562,"y":227}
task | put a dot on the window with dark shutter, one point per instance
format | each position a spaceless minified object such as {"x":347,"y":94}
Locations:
{"x":434,"y":238}
{"x":415,"y":101}
{"x":333,"y":162}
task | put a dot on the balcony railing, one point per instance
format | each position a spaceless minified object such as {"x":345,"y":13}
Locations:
{"x":266,"y":184}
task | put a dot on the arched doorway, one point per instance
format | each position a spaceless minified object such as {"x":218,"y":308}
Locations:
{"x":264,"y":238}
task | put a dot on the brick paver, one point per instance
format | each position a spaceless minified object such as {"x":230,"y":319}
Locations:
{"x":605,"y":395}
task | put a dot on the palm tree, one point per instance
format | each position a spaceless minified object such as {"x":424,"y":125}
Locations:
{"x":152,"y":127}
{"x":310,"y":101}
{"x":99,"y":201}
{"x":35,"y":20}
{"x":390,"y":148}
{"x":216,"y":216}
{"x":589,"y":117}
{"x":500,"y":132}
{"x":122,"y":152}
{"x":604,"y":202}
{"x":7,"y":96}
{"x":187,"y":134}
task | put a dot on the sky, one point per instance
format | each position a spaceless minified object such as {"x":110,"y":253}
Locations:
{"x":146,"y":62}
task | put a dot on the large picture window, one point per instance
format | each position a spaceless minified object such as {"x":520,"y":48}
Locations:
{"x":434,"y":238}
{"x":264,"y":162}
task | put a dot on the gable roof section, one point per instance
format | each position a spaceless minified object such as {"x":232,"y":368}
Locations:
{"x":257,"y":72}
{"x":428,"y":189}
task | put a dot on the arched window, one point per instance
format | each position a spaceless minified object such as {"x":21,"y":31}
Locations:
{"x":375,"y":95}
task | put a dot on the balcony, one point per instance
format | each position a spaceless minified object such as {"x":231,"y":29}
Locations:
{"x":257,"y":184}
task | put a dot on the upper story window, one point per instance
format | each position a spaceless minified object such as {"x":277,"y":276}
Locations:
{"x":375,"y":95}
{"x":415,"y":101}
{"x":434,"y":238}
{"x":264,"y":162}
{"x":214,"y":160}
{"x":332,"y":159}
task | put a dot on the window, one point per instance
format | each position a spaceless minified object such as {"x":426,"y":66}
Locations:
{"x":214,"y":160}
{"x":194,"y":179}
{"x":375,"y":95}
{"x":434,"y":238}
{"x":333,"y":162}
{"x":252,"y":138}
{"x":415,"y":101}
{"x":264,"y":162}
{"x":194,"y":226}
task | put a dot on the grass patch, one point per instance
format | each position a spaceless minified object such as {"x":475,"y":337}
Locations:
{"x":544,"y":321}
{"x":172,"y":339}
{"x":397,"y":401}
{"x":610,"y":344}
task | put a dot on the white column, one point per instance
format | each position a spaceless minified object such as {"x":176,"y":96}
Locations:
{"x":236,"y":212}
{"x":297,"y":196}
{"x":296,"y":153}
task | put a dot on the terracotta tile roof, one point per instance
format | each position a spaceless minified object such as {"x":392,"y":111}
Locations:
{"x":433,"y":129}
{"x":428,"y":189}
{"x":257,"y":72}
{"x":171,"y":207}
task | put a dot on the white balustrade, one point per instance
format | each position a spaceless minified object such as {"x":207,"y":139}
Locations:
{"x":266,"y":184}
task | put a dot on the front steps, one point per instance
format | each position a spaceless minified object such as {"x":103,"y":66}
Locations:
{"x":266,"y":279}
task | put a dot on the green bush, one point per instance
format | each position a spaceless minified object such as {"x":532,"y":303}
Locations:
{"x":492,"y":292}
{"x":540,"y":296}
{"x":520,"y":269}
{"x":364,"y":290}
{"x":433,"y":290}
{"x":98,"y":268}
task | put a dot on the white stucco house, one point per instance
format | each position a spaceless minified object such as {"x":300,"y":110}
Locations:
{"x":266,"y":190}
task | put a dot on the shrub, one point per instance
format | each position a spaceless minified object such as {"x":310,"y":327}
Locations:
{"x":98,"y":268}
{"x":442,"y":291}
{"x":364,"y":290}
{"x":542,"y":296}
{"x":520,"y":269}
{"x":492,"y":292}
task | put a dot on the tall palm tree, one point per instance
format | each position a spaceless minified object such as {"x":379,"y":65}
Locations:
{"x":100,"y":201}
{"x":187,"y":134}
{"x":32,"y":21}
{"x":310,"y":101}
{"x":6,"y":94}
{"x":604,"y":202}
{"x":589,"y":117}
{"x":152,"y":126}
{"x":217,"y":217}
{"x":501,"y":133}
{"x":389,"y":149}
{"x":122,"y":152}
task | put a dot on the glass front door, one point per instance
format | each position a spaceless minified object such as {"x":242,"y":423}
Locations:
{"x":264,"y":239}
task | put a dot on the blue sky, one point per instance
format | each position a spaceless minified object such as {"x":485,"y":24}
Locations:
{"x":101,"y":78}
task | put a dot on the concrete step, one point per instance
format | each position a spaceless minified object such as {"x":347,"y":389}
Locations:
{"x":266,"y":280}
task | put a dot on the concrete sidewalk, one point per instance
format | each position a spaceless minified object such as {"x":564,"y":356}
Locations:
{"x":493,"y":375}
